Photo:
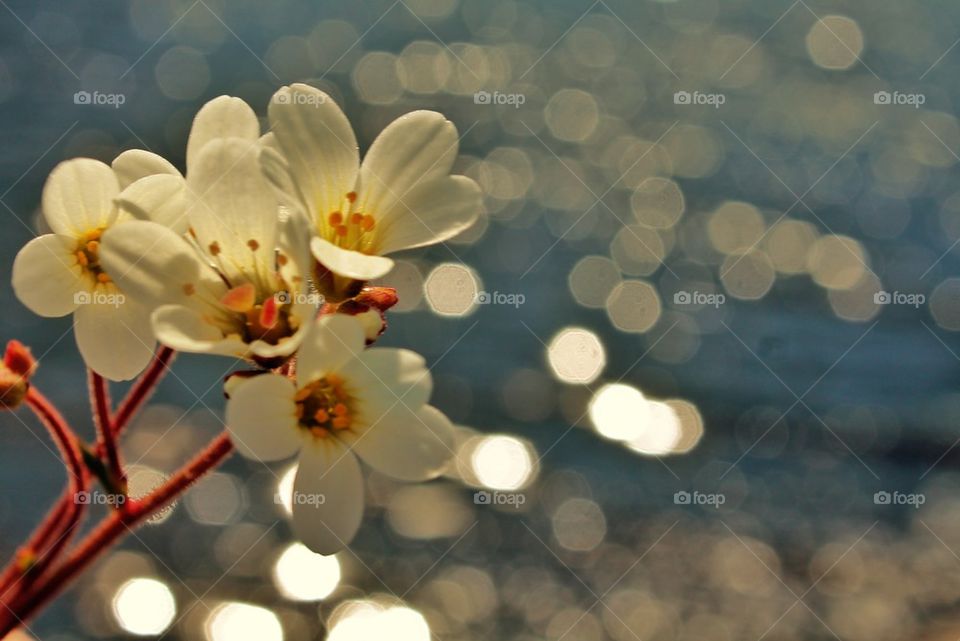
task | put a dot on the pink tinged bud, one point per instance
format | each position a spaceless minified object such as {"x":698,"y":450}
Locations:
{"x":19,"y":359}
{"x":241,"y":298}
{"x":381,"y":298}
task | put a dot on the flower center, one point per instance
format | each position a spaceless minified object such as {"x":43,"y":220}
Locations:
{"x":269,"y":321}
{"x":350,"y":229}
{"x":323,"y":406}
{"x":88,"y":255}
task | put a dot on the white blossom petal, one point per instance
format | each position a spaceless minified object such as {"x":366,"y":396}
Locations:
{"x":78,"y":197}
{"x":115,"y":339}
{"x":134,"y":164}
{"x":47,"y":276}
{"x":157,"y":266}
{"x":161,"y":198}
{"x":432,"y":212}
{"x":407,"y":445}
{"x":331,"y":343}
{"x":261,"y":418}
{"x":189,"y":330}
{"x":232,"y":208}
{"x":328,"y":495}
{"x":384,"y":378}
{"x":222,"y":117}
{"x":347,"y":262}
{"x":415,"y":147}
{"x":319,"y":145}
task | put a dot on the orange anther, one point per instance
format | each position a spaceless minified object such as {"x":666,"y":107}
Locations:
{"x":342,"y":230}
{"x":336,"y":218}
{"x":103,"y":278}
{"x":368,"y":223}
{"x":321,"y":416}
{"x":93,"y":246}
{"x":352,"y":196}
{"x":340,"y":409}
{"x":82,"y":259}
{"x":341,"y":422}
{"x":356,"y":218}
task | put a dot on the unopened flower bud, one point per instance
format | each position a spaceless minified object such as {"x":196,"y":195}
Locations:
{"x":369,"y":307}
{"x":19,"y":359}
{"x":15,"y":372}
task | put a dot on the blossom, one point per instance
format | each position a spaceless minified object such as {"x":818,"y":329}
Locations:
{"x":61,"y":273}
{"x":235,"y":284}
{"x":153,"y":189}
{"x":345,"y":403}
{"x":401,"y":197}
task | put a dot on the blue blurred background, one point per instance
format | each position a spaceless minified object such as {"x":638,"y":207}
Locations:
{"x":719,"y":259}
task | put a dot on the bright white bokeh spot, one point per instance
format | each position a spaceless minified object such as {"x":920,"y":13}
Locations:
{"x":366,"y":620}
{"x":663,"y":432}
{"x":620,"y":412}
{"x":502,"y":463}
{"x":235,"y":621}
{"x":303,"y":575}
{"x":576,"y":355}
{"x":451,"y":289}
{"x":144,"y":607}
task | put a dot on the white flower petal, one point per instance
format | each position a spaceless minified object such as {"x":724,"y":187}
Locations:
{"x":134,"y":164}
{"x":261,"y":418}
{"x":189,"y":330}
{"x":384,"y":378}
{"x":318,"y":144}
{"x":157,"y":266}
{"x":331,"y":343}
{"x":161,"y":198}
{"x":349,"y":263}
{"x":415,"y":147}
{"x":328,"y":495}
{"x":432,"y":212}
{"x":46,"y":275}
{"x":232,"y":207}
{"x":410,"y":446}
{"x":78,"y":197}
{"x":222,"y":117}
{"x":116,"y":341}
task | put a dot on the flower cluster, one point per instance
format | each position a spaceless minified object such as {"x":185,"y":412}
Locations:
{"x":263,"y":250}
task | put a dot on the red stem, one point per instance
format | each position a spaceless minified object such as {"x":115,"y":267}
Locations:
{"x":114,"y":527}
{"x":143,"y":388}
{"x":100,"y":400}
{"x":56,"y":528}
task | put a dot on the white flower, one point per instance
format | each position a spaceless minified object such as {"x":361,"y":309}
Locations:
{"x":61,"y":273}
{"x":153,"y":189}
{"x":235,"y":285}
{"x":401,"y":197}
{"x":346,"y":402}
